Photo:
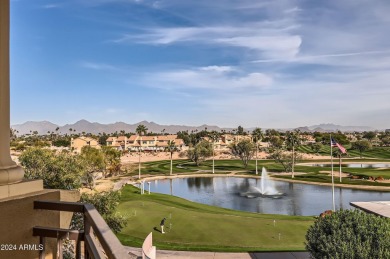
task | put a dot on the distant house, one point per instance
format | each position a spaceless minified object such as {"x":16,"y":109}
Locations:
{"x":78,"y":143}
{"x":119,"y":143}
{"x":145,"y":143}
{"x":225,"y":140}
{"x":307,"y":139}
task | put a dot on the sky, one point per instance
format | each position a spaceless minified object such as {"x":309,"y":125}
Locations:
{"x":268,"y":64}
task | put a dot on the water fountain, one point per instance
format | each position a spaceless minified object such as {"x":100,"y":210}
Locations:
{"x":267,"y":188}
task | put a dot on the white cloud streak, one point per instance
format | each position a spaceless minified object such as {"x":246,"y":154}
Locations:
{"x":208,"y":78}
{"x":272,"y":39}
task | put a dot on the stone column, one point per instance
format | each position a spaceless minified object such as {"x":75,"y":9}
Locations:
{"x":9,"y":171}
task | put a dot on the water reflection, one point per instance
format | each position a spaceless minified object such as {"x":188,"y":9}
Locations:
{"x":300,"y":199}
{"x":198,"y":182}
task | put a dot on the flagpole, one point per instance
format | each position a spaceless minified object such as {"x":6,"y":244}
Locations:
{"x":331,"y":159}
{"x":340,"y":166}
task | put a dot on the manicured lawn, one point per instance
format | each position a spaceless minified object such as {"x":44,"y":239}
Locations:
{"x":228,"y":166}
{"x":375,"y":152}
{"x":202,"y":227}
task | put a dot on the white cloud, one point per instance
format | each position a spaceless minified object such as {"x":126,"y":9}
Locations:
{"x":209,"y":78}
{"x":218,"y":68}
{"x":51,"y":6}
{"x":271,"y":39}
{"x":98,"y":66}
{"x":272,"y":46}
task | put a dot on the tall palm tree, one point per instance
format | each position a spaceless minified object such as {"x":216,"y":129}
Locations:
{"x":171,"y":148}
{"x":292,"y":141}
{"x":141,"y":129}
{"x":257,"y":136}
{"x":214,"y":136}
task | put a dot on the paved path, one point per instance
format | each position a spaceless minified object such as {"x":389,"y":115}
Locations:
{"x":163,"y":254}
{"x":119,"y":184}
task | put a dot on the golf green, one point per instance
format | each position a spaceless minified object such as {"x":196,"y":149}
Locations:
{"x":193,"y":226}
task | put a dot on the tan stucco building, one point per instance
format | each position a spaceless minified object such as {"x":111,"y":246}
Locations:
{"x":78,"y":143}
{"x":145,"y":143}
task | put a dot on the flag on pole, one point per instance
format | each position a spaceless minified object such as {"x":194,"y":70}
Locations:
{"x":335,"y":144}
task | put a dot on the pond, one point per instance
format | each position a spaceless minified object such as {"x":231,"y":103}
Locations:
{"x":353,"y":165}
{"x":297,"y":199}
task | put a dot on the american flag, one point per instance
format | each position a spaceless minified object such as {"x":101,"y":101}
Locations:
{"x":335,"y":144}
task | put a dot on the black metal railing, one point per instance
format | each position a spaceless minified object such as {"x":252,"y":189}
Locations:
{"x":97,"y":238}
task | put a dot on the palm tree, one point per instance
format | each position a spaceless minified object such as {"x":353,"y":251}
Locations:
{"x":171,"y":148}
{"x":141,"y":129}
{"x":293,"y":140}
{"x":257,"y":135}
{"x":214,"y":136}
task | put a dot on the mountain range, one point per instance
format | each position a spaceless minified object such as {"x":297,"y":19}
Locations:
{"x":45,"y":127}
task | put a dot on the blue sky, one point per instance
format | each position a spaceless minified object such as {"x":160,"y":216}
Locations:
{"x":276,"y":63}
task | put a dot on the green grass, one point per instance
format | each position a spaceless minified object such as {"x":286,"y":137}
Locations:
{"x":199,"y":227}
{"x":228,"y":166}
{"x":375,"y":152}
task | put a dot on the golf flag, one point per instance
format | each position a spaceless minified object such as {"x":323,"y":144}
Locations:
{"x":335,"y":144}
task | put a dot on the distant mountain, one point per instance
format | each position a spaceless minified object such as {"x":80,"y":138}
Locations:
{"x":43,"y":127}
{"x":30,"y":126}
{"x":329,"y":127}
{"x":93,"y":127}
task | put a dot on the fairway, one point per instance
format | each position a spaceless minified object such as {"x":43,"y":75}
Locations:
{"x":193,"y":226}
{"x":313,"y":173}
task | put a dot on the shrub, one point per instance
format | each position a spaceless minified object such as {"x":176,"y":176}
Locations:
{"x":349,"y":234}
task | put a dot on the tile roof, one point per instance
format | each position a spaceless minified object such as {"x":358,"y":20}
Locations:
{"x":133,"y":137}
{"x":167,"y":137}
{"x":148,"y":138}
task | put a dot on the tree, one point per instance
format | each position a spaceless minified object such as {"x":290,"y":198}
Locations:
{"x":103,"y":139}
{"x":141,"y":129}
{"x":293,"y":141}
{"x":112,"y":160}
{"x":244,"y":149}
{"x":275,"y":142}
{"x":12,"y":133}
{"x":349,"y":234}
{"x":240,"y":130}
{"x":340,"y":138}
{"x":214,"y":137}
{"x":257,"y":136}
{"x":94,"y":162}
{"x":106,"y":204}
{"x":171,"y":148}
{"x":385,"y":141}
{"x":370,"y":135}
{"x":284,"y":158}
{"x":61,"y":142}
{"x":58,"y":171}
{"x":200,"y":152}
{"x":361,"y":146}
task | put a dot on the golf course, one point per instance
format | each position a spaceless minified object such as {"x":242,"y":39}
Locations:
{"x":198,"y":227}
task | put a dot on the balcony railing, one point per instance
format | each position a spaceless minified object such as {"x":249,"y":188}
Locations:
{"x":98,"y":239}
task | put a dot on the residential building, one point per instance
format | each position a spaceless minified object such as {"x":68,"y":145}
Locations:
{"x":226,"y":139}
{"x":78,"y":143}
{"x":145,"y":143}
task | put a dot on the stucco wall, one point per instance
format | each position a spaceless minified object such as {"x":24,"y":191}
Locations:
{"x":18,"y":217}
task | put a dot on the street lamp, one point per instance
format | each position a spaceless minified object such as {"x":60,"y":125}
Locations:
{"x":139,"y":162}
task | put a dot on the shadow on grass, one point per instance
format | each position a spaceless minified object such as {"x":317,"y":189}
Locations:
{"x":156,"y":229}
